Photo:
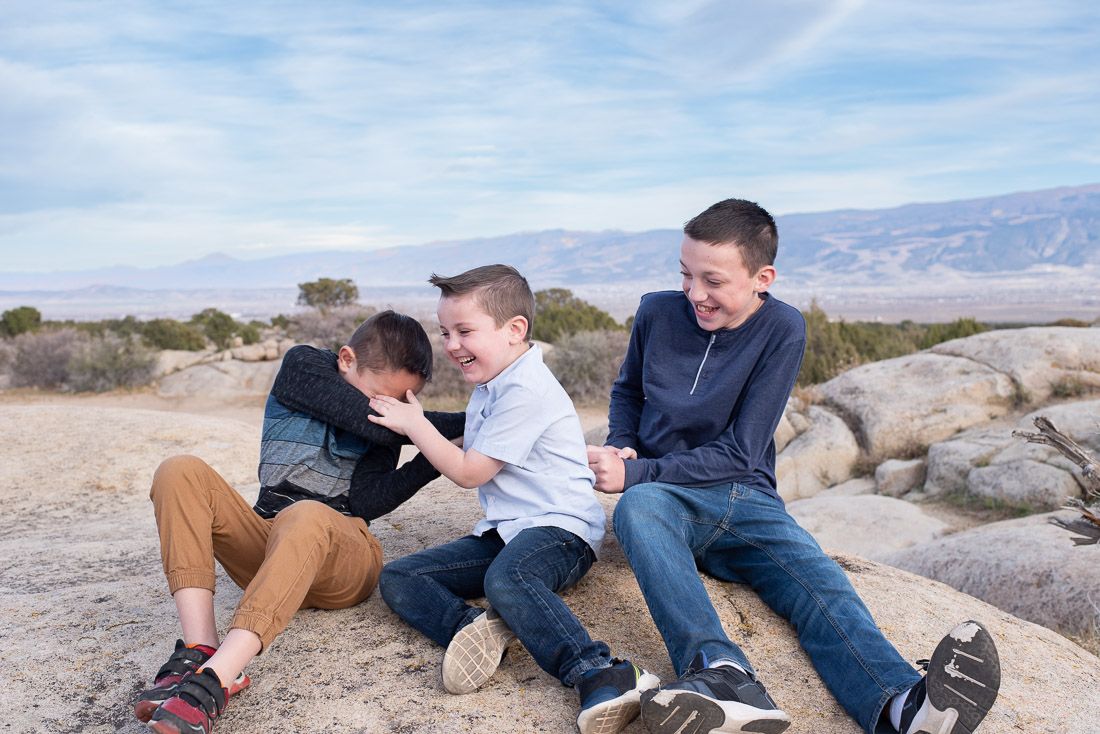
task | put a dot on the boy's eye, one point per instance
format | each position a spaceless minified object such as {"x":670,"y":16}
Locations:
{"x":714,"y":282}
{"x":686,"y":275}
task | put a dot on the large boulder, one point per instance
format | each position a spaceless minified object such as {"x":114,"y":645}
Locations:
{"x":84,"y":602}
{"x":949,"y":462}
{"x":824,"y":453}
{"x":896,"y":477}
{"x":993,"y":464}
{"x":1041,"y":360}
{"x":225,"y":379}
{"x":900,"y":406}
{"x":870,"y":526}
{"x":1027,"y":567}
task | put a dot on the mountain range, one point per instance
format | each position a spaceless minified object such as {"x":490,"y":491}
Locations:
{"x":995,"y":241}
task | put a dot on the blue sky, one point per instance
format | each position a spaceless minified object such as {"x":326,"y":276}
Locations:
{"x":151,"y":133}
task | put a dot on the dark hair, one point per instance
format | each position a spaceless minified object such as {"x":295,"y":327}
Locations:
{"x":390,"y":341}
{"x":742,"y":223}
{"x":499,"y":289}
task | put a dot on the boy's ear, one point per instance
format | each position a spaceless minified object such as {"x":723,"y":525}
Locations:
{"x":345,"y":358}
{"x":765,"y":276}
{"x":517,"y":330}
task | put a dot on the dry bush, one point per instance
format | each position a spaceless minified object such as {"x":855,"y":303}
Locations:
{"x":330,"y":329}
{"x":586,"y":363}
{"x":109,"y":362}
{"x":42,"y":358}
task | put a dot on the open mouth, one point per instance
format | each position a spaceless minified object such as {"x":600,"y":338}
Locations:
{"x":706,"y":310}
{"x":466,"y":361}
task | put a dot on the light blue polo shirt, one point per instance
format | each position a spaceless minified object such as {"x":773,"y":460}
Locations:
{"x":525,"y":418}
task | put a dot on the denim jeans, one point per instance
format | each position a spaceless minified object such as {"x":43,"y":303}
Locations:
{"x":520,"y":580}
{"x":739,"y":534}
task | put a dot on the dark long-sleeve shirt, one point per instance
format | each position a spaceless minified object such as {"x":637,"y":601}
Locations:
{"x":701,"y":407}
{"x":309,"y":385}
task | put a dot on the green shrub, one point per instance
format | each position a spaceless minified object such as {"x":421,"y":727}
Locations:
{"x":172,"y":334}
{"x":249,"y":333}
{"x":218,"y":326}
{"x":937,"y":333}
{"x":282,"y":321}
{"x":326,"y":293}
{"x":587,"y":362}
{"x":1076,"y":323}
{"x":20,"y":320}
{"x":109,"y":362}
{"x":559,"y":313}
{"x":330,"y":328}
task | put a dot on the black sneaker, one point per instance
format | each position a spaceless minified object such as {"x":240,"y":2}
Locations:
{"x":610,"y":696}
{"x":960,"y":687}
{"x":706,"y":700}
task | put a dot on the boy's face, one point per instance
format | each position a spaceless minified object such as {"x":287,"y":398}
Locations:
{"x":474,"y":342}
{"x":372,"y":383}
{"x":722,"y":290}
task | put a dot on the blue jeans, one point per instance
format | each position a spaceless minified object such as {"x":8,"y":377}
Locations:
{"x":520,"y":580}
{"x":736,"y":533}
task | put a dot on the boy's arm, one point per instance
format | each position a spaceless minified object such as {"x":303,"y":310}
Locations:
{"x":309,"y":382}
{"x":467,"y":469}
{"x":741,"y":447}
{"x":624,"y":415}
{"x":379,"y":486}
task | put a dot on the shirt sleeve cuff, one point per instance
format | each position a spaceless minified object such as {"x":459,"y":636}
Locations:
{"x":637,"y":471}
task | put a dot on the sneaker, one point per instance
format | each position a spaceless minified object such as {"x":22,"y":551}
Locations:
{"x":960,"y":687}
{"x":183,"y":660}
{"x":475,"y":653}
{"x":703,"y":700}
{"x":198,"y":701}
{"x":610,"y":697}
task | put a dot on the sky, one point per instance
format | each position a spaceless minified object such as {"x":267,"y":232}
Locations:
{"x":149,"y":133}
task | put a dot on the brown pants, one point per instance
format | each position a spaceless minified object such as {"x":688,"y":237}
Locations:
{"x":309,"y":555}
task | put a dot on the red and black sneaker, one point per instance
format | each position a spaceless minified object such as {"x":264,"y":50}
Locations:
{"x":184,"y":659}
{"x":198,"y":701}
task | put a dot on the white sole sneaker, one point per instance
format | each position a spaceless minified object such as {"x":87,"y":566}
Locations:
{"x":676,"y":711}
{"x":475,"y":652}
{"x":963,"y":677}
{"x":610,"y":717}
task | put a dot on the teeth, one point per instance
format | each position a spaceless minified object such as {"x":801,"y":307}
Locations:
{"x":707,"y":309}
{"x":466,"y":360}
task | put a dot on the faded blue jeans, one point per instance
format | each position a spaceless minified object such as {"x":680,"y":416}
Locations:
{"x":520,"y":580}
{"x":739,"y":534}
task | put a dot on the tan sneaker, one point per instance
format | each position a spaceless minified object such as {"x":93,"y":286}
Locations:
{"x":475,"y":653}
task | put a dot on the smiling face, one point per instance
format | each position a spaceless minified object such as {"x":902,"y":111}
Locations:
{"x":474,"y":342}
{"x":722,"y":290}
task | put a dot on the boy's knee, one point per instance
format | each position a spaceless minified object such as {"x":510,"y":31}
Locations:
{"x":305,"y":513}
{"x":500,"y":585}
{"x":176,"y":472}
{"x":393,"y":584}
{"x":635,"y":505}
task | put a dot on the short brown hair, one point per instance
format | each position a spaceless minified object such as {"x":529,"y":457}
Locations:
{"x":391,"y":341}
{"x":742,"y":223}
{"x":499,"y":289}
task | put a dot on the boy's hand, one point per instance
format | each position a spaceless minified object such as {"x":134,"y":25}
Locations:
{"x":606,"y":462}
{"x":397,"y":416}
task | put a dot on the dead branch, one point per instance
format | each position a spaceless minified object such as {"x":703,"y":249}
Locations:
{"x":1087,"y":526}
{"x":1051,"y":436}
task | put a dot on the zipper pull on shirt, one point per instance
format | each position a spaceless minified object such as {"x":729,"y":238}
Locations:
{"x":700,"y":370}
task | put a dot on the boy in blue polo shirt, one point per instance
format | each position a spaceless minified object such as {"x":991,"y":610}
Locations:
{"x":706,"y":377}
{"x":525,"y":452}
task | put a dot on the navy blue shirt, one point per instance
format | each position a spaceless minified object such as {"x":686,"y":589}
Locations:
{"x":701,"y":407}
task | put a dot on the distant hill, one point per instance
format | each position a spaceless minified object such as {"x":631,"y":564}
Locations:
{"x":1001,"y":245}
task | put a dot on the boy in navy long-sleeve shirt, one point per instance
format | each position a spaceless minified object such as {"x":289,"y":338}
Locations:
{"x":702,"y":388}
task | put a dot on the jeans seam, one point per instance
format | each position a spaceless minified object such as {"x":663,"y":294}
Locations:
{"x":820,"y":604}
{"x":547,"y":610}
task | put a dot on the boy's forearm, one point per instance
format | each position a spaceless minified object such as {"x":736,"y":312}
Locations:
{"x":377,"y":488}
{"x":451,"y":461}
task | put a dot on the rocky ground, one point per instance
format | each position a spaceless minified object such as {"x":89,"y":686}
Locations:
{"x":85,"y":618}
